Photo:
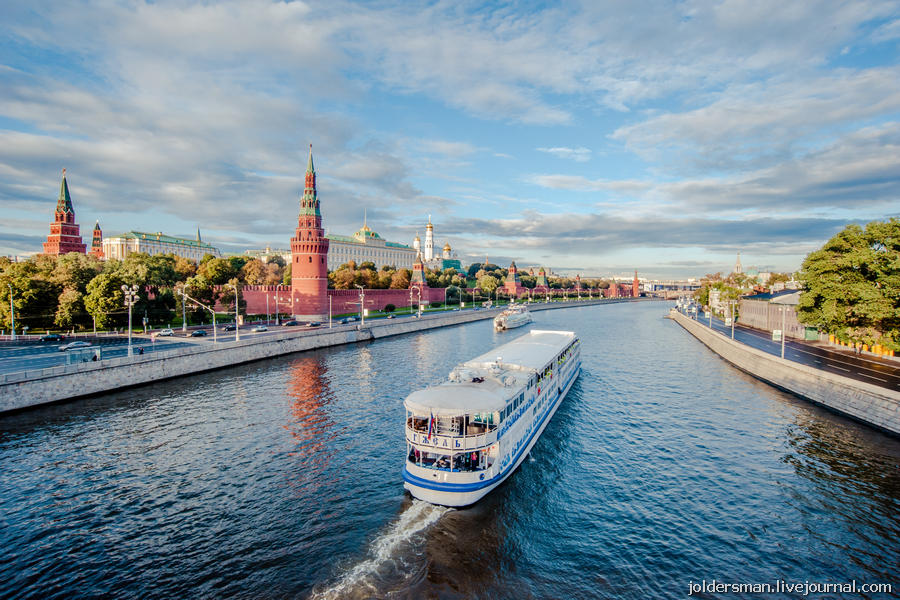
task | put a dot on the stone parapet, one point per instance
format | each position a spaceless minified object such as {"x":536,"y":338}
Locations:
{"x":873,"y":405}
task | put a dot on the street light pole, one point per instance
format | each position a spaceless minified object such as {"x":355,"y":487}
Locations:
{"x":183,"y":314}
{"x":782,"y":330}
{"x":184,"y":297}
{"x":732,"y":319}
{"x":130,"y":296}
{"x":362,"y":304}
{"x":12,"y":312}
{"x":237,"y":306}
{"x":329,"y":311}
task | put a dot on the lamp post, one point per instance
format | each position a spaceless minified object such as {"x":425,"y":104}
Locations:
{"x":12,"y":312}
{"x":183,"y":312}
{"x":237,"y":307}
{"x":130,"y":297}
{"x":184,"y":297}
{"x":782,"y":329}
{"x":362,"y":304}
{"x":329,"y":311}
{"x":419,"y":306}
{"x":276,"y":305}
{"x":732,"y":319}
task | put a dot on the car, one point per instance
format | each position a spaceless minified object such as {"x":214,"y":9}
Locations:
{"x":390,"y":316}
{"x":313,"y":324}
{"x":229,"y":327}
{"x":290,"y":323}
{"x":198,"y":333}
{"x":166,"y":332}
{"x":344,"y":321}
{"x":73,"y":346}
{"x":52,"y":337}
{"x":260,"y":328}
{"x":354,"y":318}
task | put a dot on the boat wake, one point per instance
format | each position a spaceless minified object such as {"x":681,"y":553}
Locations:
{"x":360,"y":580}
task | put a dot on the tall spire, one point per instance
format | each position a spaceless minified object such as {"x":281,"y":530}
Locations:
{"x":198,"y":234}
{"x":64,"y":202}
{"x":309,"y":202}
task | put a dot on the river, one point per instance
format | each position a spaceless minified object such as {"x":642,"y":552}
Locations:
{"x":282,"y":479}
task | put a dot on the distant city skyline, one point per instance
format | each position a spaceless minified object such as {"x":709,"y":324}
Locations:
{"x":584,"y":139}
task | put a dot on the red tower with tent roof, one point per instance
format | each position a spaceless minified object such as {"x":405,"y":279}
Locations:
{"x":309,"y":255}
{"x":65,"y":234}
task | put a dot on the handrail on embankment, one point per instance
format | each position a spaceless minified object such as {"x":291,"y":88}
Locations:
{"x":865,"y":402}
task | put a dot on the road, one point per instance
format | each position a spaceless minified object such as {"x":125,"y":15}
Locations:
{"x":883,"y":372}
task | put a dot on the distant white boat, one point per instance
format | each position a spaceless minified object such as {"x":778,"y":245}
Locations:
{"x":512,"y":317}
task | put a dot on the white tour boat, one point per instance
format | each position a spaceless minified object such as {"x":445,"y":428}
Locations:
{"x":468,"y":434}
{"x":514,"y":316}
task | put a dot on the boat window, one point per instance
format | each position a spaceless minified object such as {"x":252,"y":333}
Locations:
{"x":475,"y":460}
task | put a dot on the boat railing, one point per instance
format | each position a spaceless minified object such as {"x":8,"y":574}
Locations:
{"x":468,"y":442}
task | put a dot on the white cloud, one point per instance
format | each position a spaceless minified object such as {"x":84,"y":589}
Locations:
{"x":581,"y":154}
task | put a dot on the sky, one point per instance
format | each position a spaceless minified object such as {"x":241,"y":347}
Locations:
{"x":595,"y":137}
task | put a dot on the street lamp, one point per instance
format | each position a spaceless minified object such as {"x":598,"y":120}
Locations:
{"x":184,"y":297}
{"x":732,"y":319}
{"x":178,"y":289}
{"x":419,"y":306}
{"x":783,"y":307}
{"x":237,"y":306}
{"x":362,"y":304}
{"x":130,"y":298}
{"x":12,"y":312}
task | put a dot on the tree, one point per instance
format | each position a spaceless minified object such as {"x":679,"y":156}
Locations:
{"x":104,"y":299}
{"x":286,"y":277}
{"x":238,"y":262}
{"x":488,"y":284}
{"x":852,"y":284}
{"x":400,"y":279}
{"x":217,"y":271}
{"x":70,"y":309}
{"x":254,"y":272}
{"x":35,"y":295}
{"x":184,"y":268}
{"x":276,"y":259}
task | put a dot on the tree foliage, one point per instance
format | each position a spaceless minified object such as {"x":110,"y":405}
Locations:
{"x":852,"y":284}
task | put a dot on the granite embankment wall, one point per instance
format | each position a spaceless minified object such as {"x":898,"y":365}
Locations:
{"x":863,"y":401}
{"x":42,"y":386}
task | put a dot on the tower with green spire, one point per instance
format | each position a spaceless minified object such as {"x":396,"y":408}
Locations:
{"x":65,"y":235}
{"x":309,"y":255}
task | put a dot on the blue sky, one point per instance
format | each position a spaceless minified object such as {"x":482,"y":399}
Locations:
{"x":595,"y":138}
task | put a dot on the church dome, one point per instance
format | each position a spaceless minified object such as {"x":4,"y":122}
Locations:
{"x":447,"y":247}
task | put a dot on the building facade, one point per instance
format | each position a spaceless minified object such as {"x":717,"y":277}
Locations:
{"x":120,"y":246}
{"x":65,"y":234}
{"x":367,"y":246}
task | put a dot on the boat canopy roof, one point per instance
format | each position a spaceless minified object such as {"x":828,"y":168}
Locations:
{"x":486,"y":383}
{"x":528,"y":352}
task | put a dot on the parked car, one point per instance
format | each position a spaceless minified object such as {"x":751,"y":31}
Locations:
{"x":166,"y":332}
{"x":354,"y":318}
{"x":198,"y":333}
{"x":313,"y":324}
{"x":390,"y":316}
{"x":260,"y":328}
{"x":229,"y":327}
{"x":73,"y":346}
{"x":344,"y":321}
{"x":52,"y":337}
{"x":290,"y":323}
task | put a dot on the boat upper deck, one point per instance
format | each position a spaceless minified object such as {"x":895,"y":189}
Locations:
{"x":486,"y":383}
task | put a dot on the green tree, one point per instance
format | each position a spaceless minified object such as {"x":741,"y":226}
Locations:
{"x":35,"y":294}
{"x":184,"y":268}
{"x":488,"y":284}
{"x":254,"y":272}
{"x":852,"y":284}
{"x":104,"y":299}
{"x":286,"y":277}
{"x":217,"y":271}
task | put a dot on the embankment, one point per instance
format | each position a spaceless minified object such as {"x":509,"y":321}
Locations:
{"x":42,"y":386}
{"x":865,"y":402}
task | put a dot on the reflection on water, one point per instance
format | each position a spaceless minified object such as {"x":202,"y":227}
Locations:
{"x":282,"y":479}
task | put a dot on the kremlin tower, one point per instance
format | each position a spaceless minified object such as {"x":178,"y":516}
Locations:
{"x":64,"y":235}
{"x":309,"y":252}
{"x":635,"y":286}
{"x":97,"y":241}
{"x":418,"y":273}
{"x":513,"y":285}
{"x":429,"y":240}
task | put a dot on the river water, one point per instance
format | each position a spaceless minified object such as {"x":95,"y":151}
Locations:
{"x":281,"y":479}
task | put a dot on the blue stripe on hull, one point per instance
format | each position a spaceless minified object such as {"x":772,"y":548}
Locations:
{"x":497,"y":479}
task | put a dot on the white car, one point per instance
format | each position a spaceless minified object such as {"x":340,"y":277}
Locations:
{"x":73,"y":346}
{"x":166,"y":332}
{"x":260,"y":328}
